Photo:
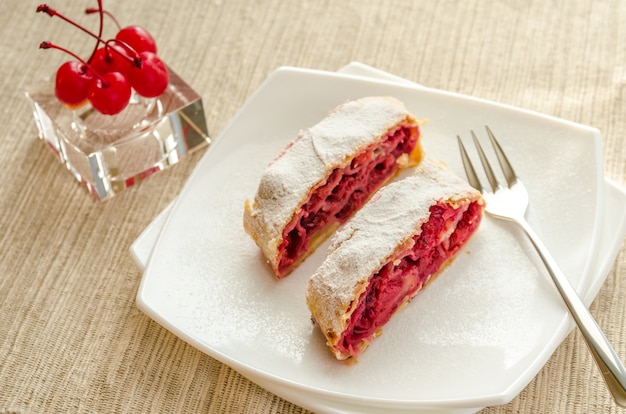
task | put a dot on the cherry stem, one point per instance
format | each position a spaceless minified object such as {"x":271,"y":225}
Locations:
{"x":44,"y":8}
{"x":50,"y":45}
{"x":92,"y":10}
{"x":135,"y":60}
{"x":95,"y":48}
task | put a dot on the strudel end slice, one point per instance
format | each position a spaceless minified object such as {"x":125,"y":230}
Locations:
{"x":327,"y":173}
{"x":380,"y":259}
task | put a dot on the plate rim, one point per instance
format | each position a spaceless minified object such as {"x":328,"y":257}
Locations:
{"x":248,"y":370}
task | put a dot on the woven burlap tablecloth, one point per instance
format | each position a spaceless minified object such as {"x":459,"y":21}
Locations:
{"x":71,"y":336}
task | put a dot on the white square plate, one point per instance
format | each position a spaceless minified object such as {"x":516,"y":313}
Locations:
{"x":474,"y":338}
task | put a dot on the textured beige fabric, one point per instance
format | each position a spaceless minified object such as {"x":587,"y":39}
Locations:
{"x":71,"y":337}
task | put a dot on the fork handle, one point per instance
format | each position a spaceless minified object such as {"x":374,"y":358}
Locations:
{"x":607,"y":360}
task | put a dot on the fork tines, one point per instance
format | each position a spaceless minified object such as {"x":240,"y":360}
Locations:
{"x":505,"y":165}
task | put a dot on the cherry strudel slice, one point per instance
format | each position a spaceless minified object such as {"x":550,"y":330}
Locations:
{"x":380,"y":259}
{"x":327,"y":173}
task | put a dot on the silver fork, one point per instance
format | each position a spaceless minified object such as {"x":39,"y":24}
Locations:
{"x":510,"y":203}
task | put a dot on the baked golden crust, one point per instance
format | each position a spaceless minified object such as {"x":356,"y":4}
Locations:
{"x":373,"y":239}
{"x":308,"y":161}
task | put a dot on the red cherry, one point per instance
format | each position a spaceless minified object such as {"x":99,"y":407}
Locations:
{"x":138,"y":38}
{"x":111,"y":58}
{"x":126,"y":62}
{"x":150,"y":77}
{"x":72,"y":83}
{"x":110,"y":94}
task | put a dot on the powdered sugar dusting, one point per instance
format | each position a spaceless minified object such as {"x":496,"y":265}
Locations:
{"x":308,"y":160}
{"x":366,"y":242}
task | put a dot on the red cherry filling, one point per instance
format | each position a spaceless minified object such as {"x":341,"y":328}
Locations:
{"x":343,"y":192}
{"x":404,"y":275}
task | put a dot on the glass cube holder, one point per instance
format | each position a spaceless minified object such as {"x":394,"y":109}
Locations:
{"x":108,"y":154}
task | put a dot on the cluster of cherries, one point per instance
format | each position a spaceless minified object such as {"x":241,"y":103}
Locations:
{"x":115,"y":67}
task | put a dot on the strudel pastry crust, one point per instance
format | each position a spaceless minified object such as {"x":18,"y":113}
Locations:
{"x":326,"y":174}
{"x":380,"y":259}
